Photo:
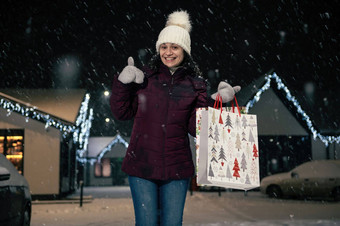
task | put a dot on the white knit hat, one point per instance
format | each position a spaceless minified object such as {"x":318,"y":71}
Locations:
{"x":177,"y":29}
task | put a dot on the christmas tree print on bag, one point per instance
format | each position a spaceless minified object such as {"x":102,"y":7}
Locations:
{"x":228,"y":149}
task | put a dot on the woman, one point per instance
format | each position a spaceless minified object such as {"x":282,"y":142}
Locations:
{"x":162,"y":98}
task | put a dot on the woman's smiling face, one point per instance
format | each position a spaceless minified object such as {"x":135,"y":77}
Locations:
{"x":171,"y":54}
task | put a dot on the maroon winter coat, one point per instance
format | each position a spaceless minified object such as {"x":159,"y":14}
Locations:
{"x":164,"y":111}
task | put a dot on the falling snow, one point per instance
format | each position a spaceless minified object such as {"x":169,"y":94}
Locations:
{"x":242,"y":39}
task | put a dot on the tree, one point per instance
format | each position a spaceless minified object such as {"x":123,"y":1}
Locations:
{"x":210,"y":132}
{"x":217,"y":134}
{"x":213,"y":118}
{"x":244,"y":122}
{"x":255,"y":152}
{"x":248,"y":148}
{"x":220,"y":119}
{"x":221,"y":173}
{"x":238,"y":142}
{"x":230,"y":148}
{"x":252,"y":122}
{"x":222,"y":155}
{"x":243,"y":162}
{"x":211,"y":173}
{"x":251,"y":137}
{"x":236,"y":168}
{"x":237,"y":123}
{"x":213,"y":154}
{"x":254,"y":171}
{"x":247,"y":180}
{"x":244,"y":136}
{"x":228,"y":173}
{"x":228,"y":123}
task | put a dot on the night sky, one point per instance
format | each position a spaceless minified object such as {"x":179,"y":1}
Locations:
{"x":82,"y":44}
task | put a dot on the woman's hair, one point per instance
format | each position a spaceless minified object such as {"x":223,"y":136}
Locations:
{"x":188,"y":63}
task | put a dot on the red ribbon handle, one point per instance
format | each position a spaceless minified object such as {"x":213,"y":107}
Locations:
{"x":218,"y":102}
{"x":238,"y":108}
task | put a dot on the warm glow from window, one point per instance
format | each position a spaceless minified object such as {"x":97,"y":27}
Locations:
{"x":12,"y":147}
{"x":14,"y":137}
{"x":98,"y":169}
{"x":14,"y":156}
{"x":103,"y":168}
{"x":106,"y":167}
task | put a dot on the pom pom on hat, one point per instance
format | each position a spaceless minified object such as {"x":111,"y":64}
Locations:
{"x":177,"y":29}
{"x":179,"y":18}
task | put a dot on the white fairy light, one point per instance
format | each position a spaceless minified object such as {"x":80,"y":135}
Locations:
{"x":280,"y":85}
{"x":118,"y":139}
{"x":80,"y":131}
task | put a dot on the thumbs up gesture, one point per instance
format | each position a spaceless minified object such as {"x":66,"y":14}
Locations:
{"x":131,"y":73}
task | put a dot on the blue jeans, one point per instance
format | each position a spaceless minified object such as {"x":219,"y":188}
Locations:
{"x":158,"y":202}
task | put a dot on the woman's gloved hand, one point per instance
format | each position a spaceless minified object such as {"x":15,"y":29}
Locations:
{"x":226,"y":92}
{"x":131,"y":73}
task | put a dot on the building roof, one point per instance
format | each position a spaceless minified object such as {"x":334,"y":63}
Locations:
{"x":98,"y":146}
{"x":306,"y":115}
{"x":60,"y":103}
{"x":325,"y":122}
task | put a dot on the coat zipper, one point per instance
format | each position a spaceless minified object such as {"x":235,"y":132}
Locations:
{"x":166,"y":117}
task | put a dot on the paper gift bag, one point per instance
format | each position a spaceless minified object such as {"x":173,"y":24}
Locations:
{"x":227,"y":148}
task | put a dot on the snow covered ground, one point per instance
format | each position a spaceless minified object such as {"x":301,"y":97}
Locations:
{"x":113,"y":206}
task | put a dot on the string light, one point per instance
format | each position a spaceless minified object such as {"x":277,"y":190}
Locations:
{"x":116,"y":140}
{"x":80,"y":131}
{"x":280,"y":85}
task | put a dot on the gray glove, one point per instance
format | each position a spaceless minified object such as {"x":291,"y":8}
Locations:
{"x":131,"y":73}
{"x":226,"y":92}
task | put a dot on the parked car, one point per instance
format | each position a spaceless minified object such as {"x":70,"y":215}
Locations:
{"x":310,"y":179}
{"x":15,"y":196}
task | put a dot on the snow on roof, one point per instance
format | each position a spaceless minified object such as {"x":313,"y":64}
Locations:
{"x":61,"y":103}
{"x":251,"y":94}
{"x":98,"y":146}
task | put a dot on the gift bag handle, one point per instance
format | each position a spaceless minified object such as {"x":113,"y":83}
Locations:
{"x":218,"y":102}
{"x":238,"y":108}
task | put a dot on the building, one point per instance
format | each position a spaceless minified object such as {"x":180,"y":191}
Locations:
{"x":287,"y":136}
{"x":104,"y":159}
{"x":43,"y":132}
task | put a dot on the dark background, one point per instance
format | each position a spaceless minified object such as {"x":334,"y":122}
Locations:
{"x":82,"y":44}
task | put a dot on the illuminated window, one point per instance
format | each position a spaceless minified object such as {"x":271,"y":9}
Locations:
{"x":98,"y":169}
{"x":103,"y":168}
{"x":12,"y":146}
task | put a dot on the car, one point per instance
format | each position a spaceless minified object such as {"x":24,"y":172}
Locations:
{"x":15,"y":196}
{"x":313,"y":179}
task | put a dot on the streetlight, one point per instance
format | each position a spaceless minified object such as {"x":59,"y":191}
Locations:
{"x":106,"y":93}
